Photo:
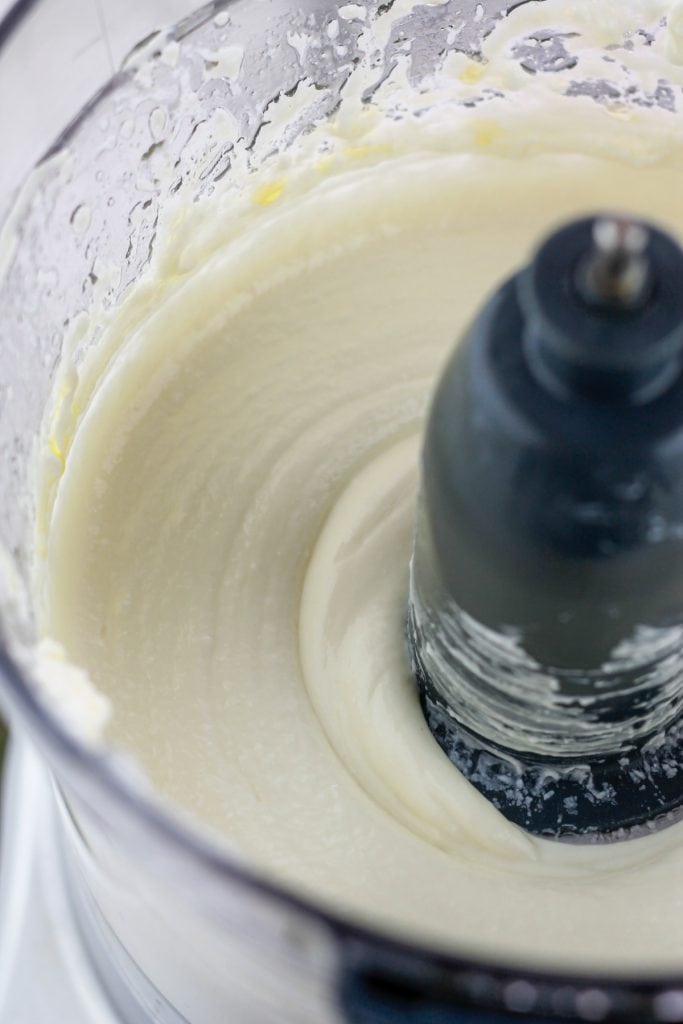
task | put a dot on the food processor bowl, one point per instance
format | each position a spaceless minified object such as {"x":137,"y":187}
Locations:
{"x":177,"y":928}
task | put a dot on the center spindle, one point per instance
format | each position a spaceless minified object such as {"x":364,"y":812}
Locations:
{"x":545,"y":622}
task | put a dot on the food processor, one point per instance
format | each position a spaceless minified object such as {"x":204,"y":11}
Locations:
{"x":112,"y":908}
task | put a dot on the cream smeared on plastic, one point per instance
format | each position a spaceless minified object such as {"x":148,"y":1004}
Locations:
{"x":228,"y":478}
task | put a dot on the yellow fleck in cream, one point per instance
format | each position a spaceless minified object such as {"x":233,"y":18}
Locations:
{"x":268,"y":193}
{"x":324,"y":164}
{"x":472,"y":73}
{"x":360,"y":152}
{"x":56,"y":450}
{"x":486,"y":133}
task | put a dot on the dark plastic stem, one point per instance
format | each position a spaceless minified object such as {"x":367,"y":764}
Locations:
{"x":546,"y":616}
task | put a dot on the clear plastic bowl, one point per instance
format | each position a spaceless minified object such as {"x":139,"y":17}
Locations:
{"x":177,"y":930}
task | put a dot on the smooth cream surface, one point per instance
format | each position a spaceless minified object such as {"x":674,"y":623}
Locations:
{"x":227,"y":518}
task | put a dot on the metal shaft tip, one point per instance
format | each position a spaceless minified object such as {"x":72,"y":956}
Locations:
{"x":616,"y":274}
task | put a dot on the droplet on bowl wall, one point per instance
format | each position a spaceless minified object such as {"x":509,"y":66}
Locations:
{"x":81,"y":218}
{"x":157,"y":123}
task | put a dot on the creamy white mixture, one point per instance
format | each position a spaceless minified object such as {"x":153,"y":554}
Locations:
{"x":227,"y":507}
